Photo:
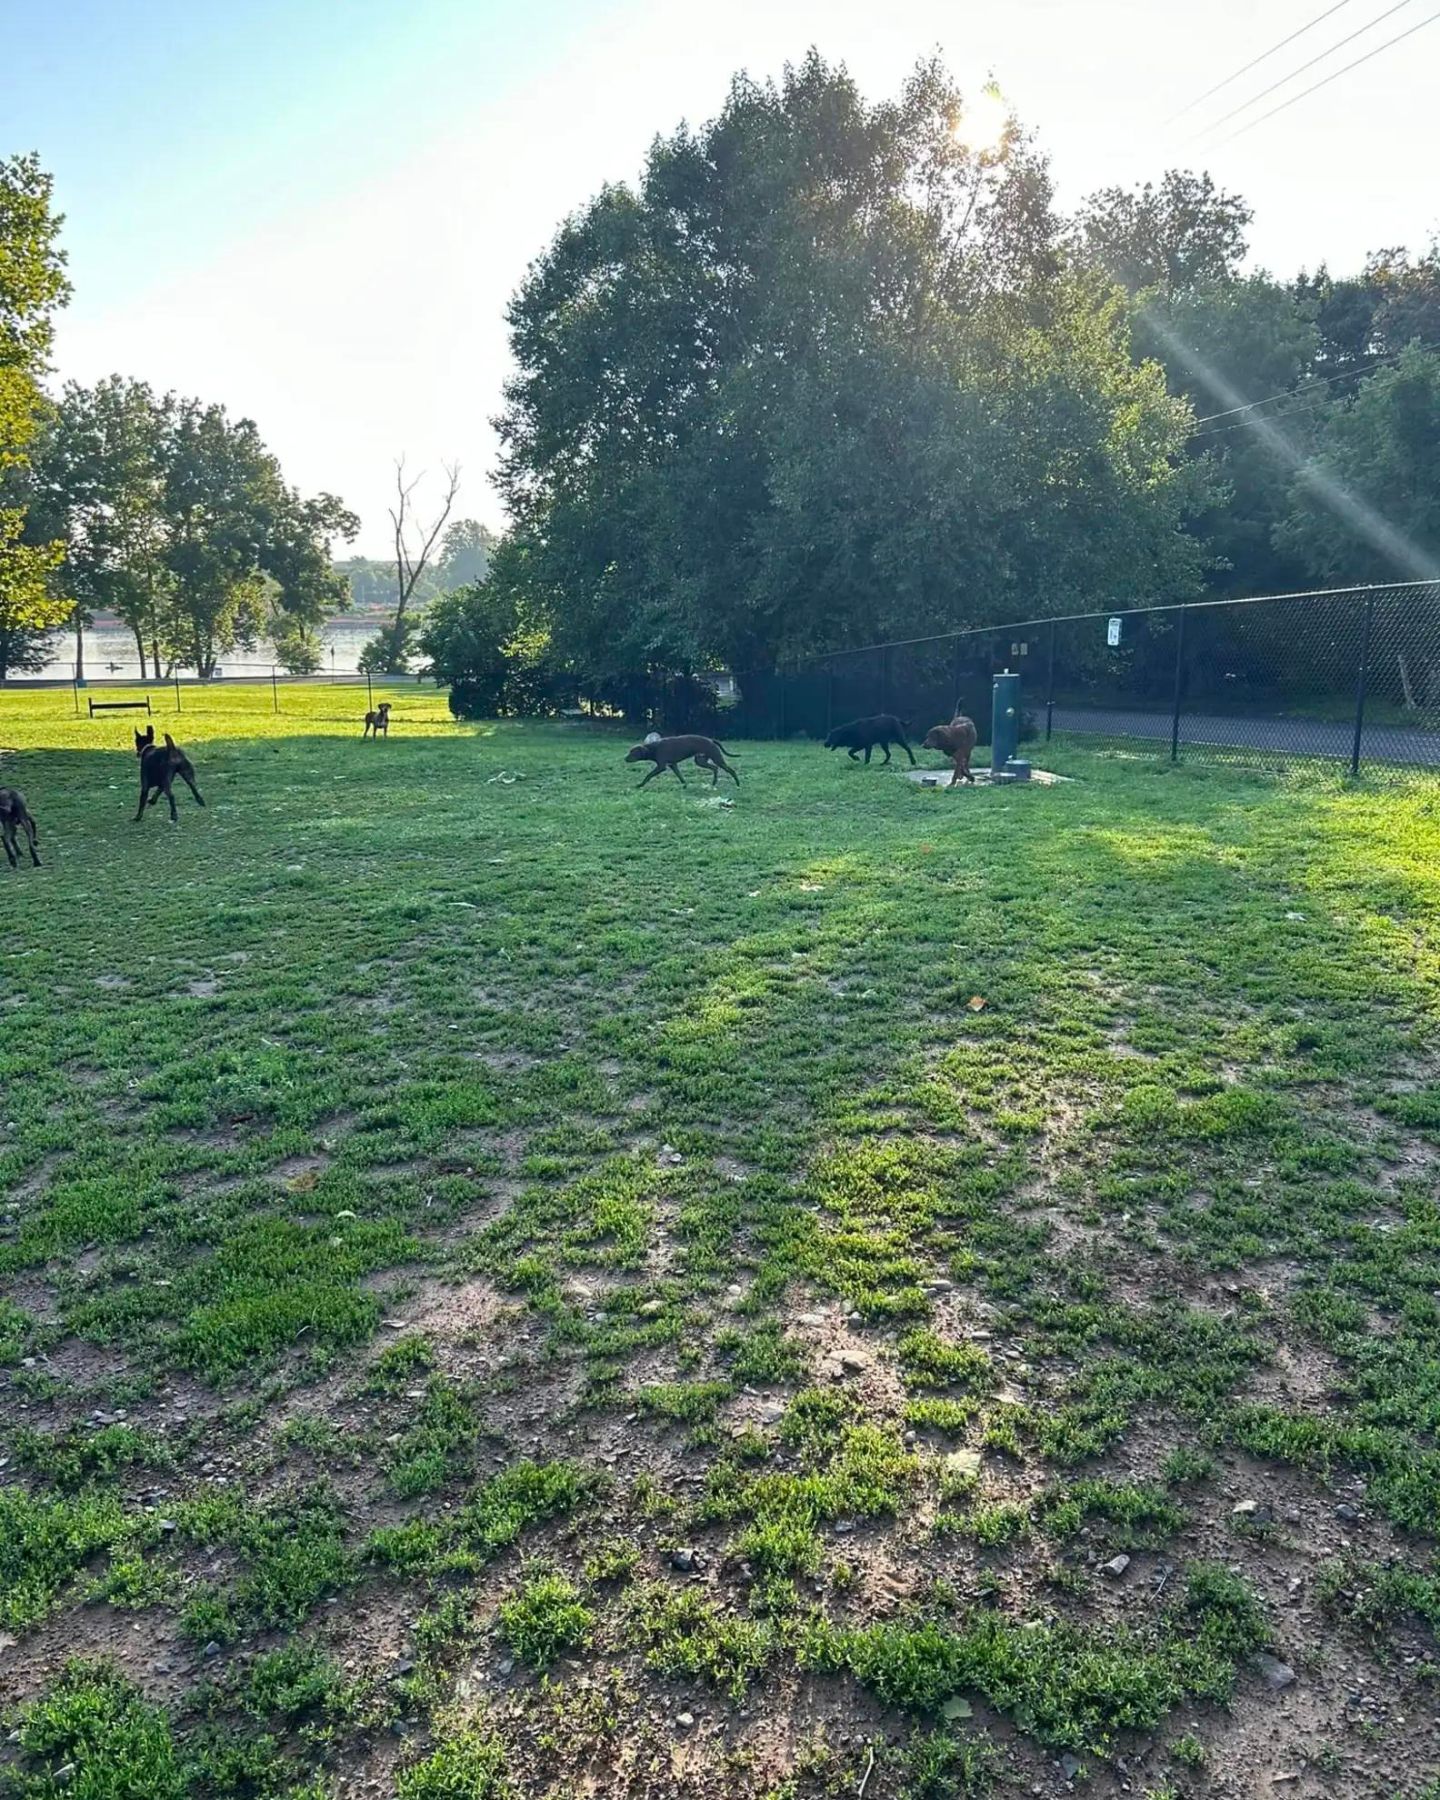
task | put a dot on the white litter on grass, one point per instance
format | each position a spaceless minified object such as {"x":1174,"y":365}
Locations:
{"x":717,"y":800}
{"x":507,"y":777}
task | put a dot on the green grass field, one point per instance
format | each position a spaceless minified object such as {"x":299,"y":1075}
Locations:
{"x":515,"y":1286}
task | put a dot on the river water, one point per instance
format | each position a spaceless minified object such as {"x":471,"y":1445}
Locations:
{"x":110,"y":654}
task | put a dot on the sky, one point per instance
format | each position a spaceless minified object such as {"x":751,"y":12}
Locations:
{"x":314,"y":211}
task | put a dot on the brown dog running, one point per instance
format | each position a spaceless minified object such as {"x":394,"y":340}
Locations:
{"x":957,"y":740}
{"x":15,"y":816}
{"x":378,"y":721}
{"x":666,"y":752}
{"x":159,"y":765}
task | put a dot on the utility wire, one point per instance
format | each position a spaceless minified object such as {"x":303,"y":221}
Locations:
{"x":1254,"y":62}
{"x":1314,"y":405}
{"x":1330,"y":50}
{"x":1325,"y":81}
{"x":1307,"y":387}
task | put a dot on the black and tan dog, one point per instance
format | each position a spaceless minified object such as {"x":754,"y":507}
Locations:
{"x":666,"y":752}
{"x":957,"y":740}
{"x":159,"y":765}
{"x":15,"y":816}
{"x":377,"y":720}
{"x":877,"y":733}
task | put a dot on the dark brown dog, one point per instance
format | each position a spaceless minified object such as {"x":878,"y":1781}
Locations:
{"x":15,"y":816}
{"x":378,"y":721}
{"x":957,"y":740}
{"x":159,"y":765}
{"x":665,"y":752}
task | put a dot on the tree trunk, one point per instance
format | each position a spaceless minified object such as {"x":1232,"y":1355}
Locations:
{"x":140,"y":647}
{"x":79,"y":648}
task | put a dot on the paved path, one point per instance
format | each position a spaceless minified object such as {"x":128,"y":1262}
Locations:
{"x":1294,"y":737}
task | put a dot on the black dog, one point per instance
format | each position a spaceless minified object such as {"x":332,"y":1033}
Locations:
{"x":15,"y":816}
{"x":159,"y":765}
{"x":870,"y":734}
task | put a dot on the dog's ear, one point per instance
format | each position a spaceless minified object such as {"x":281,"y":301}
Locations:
{"x":169,"y":741}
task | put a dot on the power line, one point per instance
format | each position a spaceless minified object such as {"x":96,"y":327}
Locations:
{"x":1307,"y":387}
{"x":1325,"y":81}
{"x":1255,"y":61}
{"x":1300,"y":392}
{"x":1293,"y":412}
{"x":1330,"y":50}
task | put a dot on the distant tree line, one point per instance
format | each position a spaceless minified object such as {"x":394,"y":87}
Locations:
{"x":829,"y":373}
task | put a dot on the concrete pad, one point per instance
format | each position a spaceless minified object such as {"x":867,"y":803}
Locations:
{"x":940,"y":778}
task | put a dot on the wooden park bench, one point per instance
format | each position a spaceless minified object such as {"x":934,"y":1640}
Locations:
{"x":119,"y":705}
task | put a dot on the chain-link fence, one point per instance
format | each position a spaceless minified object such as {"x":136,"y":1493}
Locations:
{"x":1349,"y":676}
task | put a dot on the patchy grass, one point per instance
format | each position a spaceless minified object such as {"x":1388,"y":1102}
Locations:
{"x":405,"y":1169}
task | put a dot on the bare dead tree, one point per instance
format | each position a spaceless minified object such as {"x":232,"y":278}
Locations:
{"x":410,"y":566}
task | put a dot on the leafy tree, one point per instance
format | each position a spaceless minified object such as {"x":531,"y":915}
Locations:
{"x":98,"y":485}
{"x":823,"y":375}
{"x":1183,"y":234}
{"x":296,"y":643}
{"x":1222,"y":344}
{"x":1393,"y":301}
{"x":30,"y":612}
{"x":32,"y":285}
{"x":240,"y":543}
{"x":1381,"y":451}
{"x":494,"y":658}
{"x":464,"y":555}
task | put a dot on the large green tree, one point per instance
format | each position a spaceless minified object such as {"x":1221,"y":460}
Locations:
{"x":1167,"y":239}
{"x":32,"y":286}
{"x":244,"y":551}
{"x":824,"y":375}
{"x":99,"y":485}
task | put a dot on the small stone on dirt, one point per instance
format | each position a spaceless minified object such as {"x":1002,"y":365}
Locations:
{"x":963,"y":1462}
{"x":1070,"y":1767}
{"x":1350,"y":1514}
{"x":1116,"y":1566}
{"x":211,"y":1649}
{"x":956,"y":1708}
{"x":684,"y":1720}
{"x":1278,"y":1675}
{"x":686,"y":1560}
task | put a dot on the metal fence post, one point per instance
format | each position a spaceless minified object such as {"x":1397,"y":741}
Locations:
{"x":1179,"y":679}
{"x":1362,"y":675}
{"x":275,"y":690}
{"x":1050,"y":687}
